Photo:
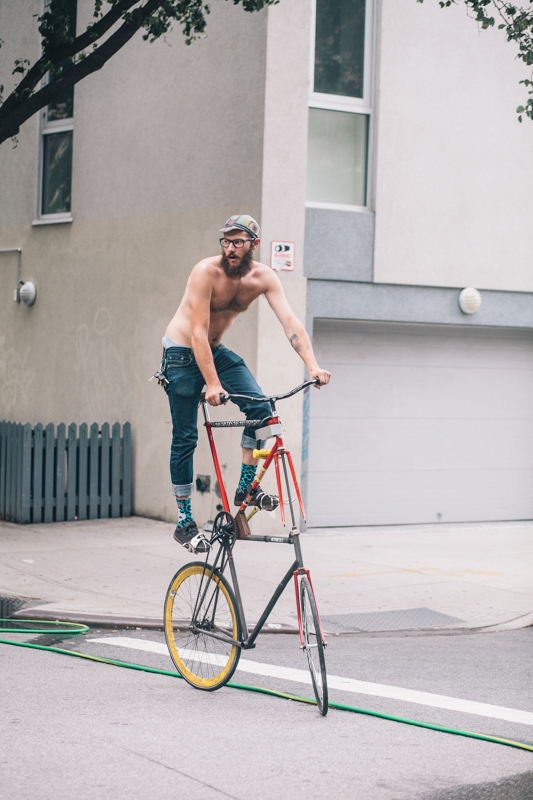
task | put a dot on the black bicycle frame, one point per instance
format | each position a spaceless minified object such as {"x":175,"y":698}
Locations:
{"x":248,"y":638}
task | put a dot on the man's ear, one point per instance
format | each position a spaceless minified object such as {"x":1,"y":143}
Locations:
{"x":256,"y":243}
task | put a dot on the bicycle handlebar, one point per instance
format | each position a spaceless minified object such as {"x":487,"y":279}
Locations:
{"x":272,"y":398}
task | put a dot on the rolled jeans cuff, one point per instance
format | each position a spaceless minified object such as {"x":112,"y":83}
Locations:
{"x":251,"y":444}
{"x":182,"y":490}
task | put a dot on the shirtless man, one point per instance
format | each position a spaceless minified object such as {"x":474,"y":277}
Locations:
{"x":218,"y":290}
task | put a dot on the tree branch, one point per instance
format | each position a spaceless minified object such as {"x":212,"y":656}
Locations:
{"x":55,"y":56}
{"x":155,"y":16}
{"x":93,"y":32}
{"x":12,"y":118}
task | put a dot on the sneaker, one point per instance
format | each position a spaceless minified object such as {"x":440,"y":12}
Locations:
{"x":190,"y":538}
{"x":268,"y":502}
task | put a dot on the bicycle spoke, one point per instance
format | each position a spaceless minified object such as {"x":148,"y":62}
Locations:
{"x":202,"y":601}
{"x":313,"y":645}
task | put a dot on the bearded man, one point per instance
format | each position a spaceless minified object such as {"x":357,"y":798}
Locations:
{"x":218,"y":290}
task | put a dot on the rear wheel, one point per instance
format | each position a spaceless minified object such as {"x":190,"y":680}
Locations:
{"x":202,"y":627}
{"x":313,"y":645}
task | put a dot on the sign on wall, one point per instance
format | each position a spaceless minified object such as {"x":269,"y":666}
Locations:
{"x":282,"y":255}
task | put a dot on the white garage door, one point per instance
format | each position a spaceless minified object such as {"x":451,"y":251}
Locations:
{"x":420,"y":423}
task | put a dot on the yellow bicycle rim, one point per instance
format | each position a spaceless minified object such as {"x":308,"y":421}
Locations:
{"x":204,"y":683}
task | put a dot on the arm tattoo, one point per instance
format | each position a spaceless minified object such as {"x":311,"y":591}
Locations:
{"x":295,"y":342}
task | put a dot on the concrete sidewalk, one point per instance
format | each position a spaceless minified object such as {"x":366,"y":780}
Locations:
{"x":380,"y":578}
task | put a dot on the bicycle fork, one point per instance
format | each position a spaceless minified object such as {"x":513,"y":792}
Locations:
{"x":297,"y":572}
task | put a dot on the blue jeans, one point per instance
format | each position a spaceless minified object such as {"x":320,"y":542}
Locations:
{"x":185,"y":384}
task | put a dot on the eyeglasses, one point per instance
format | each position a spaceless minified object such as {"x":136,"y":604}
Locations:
{"x":235,"y":242}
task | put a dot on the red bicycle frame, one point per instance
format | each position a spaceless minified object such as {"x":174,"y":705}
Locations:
{"x":275,"y":453}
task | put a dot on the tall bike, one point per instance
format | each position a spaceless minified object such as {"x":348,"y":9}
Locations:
{"x":205,"y":626}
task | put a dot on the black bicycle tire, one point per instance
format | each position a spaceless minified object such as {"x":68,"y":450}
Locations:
{"x":307,"y":597}
{"x":198,"y":681}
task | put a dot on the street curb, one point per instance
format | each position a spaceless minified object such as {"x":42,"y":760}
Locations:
{"x":116,"y":621}
{"x":157,"y":624}
{"x":524,"y":621}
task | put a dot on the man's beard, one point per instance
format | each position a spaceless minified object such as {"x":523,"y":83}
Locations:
{"x":239,"y":269}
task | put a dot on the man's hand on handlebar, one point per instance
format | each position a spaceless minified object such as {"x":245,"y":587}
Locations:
{"x":214,"y":395}
{"x":322,"y":377}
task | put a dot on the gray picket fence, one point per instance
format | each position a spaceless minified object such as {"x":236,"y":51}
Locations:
{"x":49,"y":475}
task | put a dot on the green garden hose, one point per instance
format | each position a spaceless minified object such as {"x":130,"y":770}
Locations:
{"x":75,"y":628}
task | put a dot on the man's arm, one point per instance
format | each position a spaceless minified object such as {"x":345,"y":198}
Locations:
{"x":199,"y":297}
{"x":294,"y":330}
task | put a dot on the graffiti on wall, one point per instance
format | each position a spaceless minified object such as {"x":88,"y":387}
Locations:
{"x":103,"y":364}
{"x":16,"y":379}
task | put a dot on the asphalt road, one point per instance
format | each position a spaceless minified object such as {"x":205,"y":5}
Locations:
{"x":71,"y":727}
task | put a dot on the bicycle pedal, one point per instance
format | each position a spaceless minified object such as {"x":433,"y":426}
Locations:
{"x":199,"y":539}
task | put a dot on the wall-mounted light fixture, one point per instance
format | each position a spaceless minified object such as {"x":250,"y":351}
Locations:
{"x":28,"y":293}
{"x":469,"y":300}
{"x":25,"y":291}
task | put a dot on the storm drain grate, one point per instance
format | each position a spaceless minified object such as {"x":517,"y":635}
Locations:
{"x":399,"y":619}
{"x":10,"y":604}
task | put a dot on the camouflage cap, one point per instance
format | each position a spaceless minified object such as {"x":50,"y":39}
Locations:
{"x":242,"y":222}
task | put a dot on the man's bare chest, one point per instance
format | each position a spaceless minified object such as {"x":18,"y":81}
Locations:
{"x":233,"y":299}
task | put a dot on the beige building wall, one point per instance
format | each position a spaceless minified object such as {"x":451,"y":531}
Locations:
{"x":283,"y":208}
{"x":18,"y":161}
{"x":168,"y":143}
{"x":452,"y":193}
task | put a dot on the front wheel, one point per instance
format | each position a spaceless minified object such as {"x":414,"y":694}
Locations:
{"x":313,"y":645}
{"x":202,"y":627}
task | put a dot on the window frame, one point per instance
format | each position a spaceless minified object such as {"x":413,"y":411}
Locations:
{"x":55,"y":126}
{"x":354,"y":105}
{"x":333,"y":101}
{"x":46,"y":127}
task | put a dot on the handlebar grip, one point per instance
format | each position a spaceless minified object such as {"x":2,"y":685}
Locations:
{"x":224,"y":398}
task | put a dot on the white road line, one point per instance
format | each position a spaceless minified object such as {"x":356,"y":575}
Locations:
{"x":342,"y":684}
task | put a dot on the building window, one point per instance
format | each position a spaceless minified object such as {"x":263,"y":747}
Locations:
{"x":57,"y":126}
{"x":56,"y":171}
{"x":340,"y":103}
{"x":337,"y":157}
{"x":340,"y":47}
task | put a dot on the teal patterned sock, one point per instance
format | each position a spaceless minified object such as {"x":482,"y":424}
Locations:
{"x":247,"y":476}
{"x":184,"y":511}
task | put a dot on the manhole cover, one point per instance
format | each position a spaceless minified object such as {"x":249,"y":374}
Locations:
{"x":399,"y":619}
